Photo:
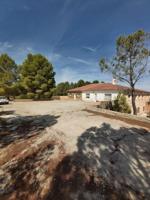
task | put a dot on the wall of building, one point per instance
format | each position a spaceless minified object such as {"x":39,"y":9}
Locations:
{"x":94,"y":96}
{"x":147,"y":108}
{"x":75,"y":96}
{"x":98,"y":96}
{"x":141,"y":104}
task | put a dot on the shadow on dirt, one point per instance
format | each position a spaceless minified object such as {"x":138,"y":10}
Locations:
{"x":8,"y":112}
{"x":23,"y":127}
{"x":109,"y":164}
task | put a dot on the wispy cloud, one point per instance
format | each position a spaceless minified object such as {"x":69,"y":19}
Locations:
{"x":17,"y":51}
{"x":66,"y":4}
{"x":92,"y":49}
{"x":5,"y":46}
{"x":68,"y":74}
{"x":26,"y":8}
{"x":89,"y":49}
{"x":72,"y":68}
{"x":79,"y":60}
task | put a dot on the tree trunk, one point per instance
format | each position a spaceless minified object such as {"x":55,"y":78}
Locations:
{"x":133,"y":101}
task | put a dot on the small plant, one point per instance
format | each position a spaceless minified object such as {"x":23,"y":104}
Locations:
{"x":106,"y":105}
{"x":22,"y":96}
{"x":121,"y":104}
{"x":30,"y":95}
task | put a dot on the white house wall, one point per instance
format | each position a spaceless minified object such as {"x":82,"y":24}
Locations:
{"x":98,"y":96}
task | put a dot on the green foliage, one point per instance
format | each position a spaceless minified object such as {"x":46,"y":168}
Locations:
{"x":121,"y":105}
{"x":106,"y":105}
{"x":37,"y":76}
{"x":61,"y":89}
{"x":8,"y":69}
{"x":30,"y":95}
{"x":130,"y":62}
{"x":131,"y":58}
{"x":21,"y":96}
{"x":8,"y":75}
{"x":48,"y":95}
{"x":2,"y":92}
{"x":95,"y":81}
{"x":80,"y":83}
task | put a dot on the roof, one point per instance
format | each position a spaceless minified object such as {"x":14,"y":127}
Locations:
{"x":105,"y":87}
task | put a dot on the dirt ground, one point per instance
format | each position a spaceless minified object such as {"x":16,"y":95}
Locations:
{"x":83,"y":156}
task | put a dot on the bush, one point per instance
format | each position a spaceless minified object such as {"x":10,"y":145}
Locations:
{"x":36,"y":97}
{"x":2,"y":92}
{"x":30,"y":95}
{"x":106,"y":105}
{"x":121,"y":105}
{"x":22,"y":96}
{"x":47,"y":95}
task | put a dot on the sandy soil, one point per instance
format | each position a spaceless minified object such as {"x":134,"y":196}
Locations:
{"x":109,"y":157}
{"x":72,"y":120}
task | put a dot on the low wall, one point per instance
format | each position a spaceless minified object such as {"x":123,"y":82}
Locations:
{"x":60,"y":98}
{"x":129,"y":118}
{"x":23,"y":100}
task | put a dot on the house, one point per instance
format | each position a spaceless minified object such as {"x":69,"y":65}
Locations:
{"x":108,"y":92}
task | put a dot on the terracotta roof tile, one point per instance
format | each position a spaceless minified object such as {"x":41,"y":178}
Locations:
{"x":104,"y":87}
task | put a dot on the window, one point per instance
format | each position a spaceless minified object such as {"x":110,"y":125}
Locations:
{"x":107,"y":97}
{"x":87,"y":95}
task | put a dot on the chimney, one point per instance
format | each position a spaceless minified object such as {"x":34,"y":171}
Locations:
{"x":114,"y":81}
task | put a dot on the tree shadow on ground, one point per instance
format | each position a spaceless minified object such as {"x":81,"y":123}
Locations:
{"x":7,"y":112}
{"x":109,"y":164}
{"x":23,"y":127}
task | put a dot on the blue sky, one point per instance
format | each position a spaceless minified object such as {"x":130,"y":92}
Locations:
{"x":73,"y":34}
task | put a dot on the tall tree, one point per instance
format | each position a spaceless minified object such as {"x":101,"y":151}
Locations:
{"x":62,"y":89}
{"x":130,"y":62}
{"x":80,"y":83}
{"x":8,"y":69}
{"x":37,"y":76}
{"x":8,"y":75}
{"x":95,"y":81}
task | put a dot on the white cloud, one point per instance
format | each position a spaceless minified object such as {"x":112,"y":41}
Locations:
{"x":17,"y":51}
{"x":90,"y":49}
{"x":5,"y":46}
{"x":79,"y":60}
{"x":67,"y":74}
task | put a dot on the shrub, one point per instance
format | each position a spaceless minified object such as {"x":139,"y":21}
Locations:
{"x":47,"y":95}
{"x":22,"y":96}
{"x":106,"y":105}
{"x":30,"y":95}
{"x":121,"y":105}
{"x":36,"y":97}
{"x":2,"y":91}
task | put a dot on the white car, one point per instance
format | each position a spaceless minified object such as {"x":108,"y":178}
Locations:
{"x":3,"y":100}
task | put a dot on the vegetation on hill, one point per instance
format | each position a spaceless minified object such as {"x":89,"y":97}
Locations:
{"x":63,"y":87}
